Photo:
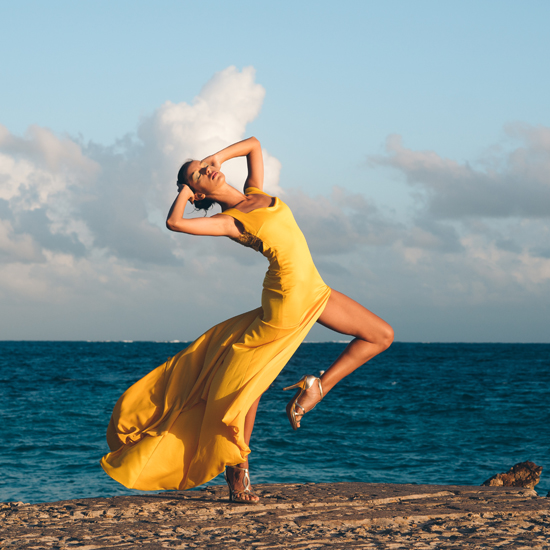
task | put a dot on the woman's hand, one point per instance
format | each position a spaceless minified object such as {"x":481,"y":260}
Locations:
{"x":184,"y":189}
{"x":249,"y":148}
{"x":175,"y":215}
{"x":213,"y":160}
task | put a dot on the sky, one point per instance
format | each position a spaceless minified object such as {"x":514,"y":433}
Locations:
{"x":410,"y":139}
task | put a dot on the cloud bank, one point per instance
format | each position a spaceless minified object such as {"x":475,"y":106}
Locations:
{"x":84,"y":253}
{"x":506,"y":184}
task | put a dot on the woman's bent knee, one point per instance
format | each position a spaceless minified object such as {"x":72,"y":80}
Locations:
{"x":382,"y":339}
{"x":387,"y":339}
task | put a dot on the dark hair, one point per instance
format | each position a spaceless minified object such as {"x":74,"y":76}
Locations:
{"x":204,"y":204}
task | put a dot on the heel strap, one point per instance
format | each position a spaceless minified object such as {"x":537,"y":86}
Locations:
{"x":320,"y":386}
{"x":246,"y":479}
{"x":234,"y":494}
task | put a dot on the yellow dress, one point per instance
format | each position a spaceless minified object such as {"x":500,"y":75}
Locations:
{"x":180,"y":425}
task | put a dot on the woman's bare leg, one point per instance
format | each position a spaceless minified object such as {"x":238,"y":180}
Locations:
{"x":236,"y":476}
{"x":372,"y":336}
{"x":249,"y":420}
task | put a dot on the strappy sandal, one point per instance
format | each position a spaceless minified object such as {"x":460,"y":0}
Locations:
{"x":304,"y":384}
{"x":236,"y":496}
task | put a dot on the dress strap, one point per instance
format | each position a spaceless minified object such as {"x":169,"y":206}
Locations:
{"x":250,"y":219}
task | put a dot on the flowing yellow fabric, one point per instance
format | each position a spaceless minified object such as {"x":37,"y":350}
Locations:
{"x":179,"y":426}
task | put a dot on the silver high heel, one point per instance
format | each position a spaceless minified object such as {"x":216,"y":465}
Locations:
{"x":304,"y":384}
{"x":234,"y":495}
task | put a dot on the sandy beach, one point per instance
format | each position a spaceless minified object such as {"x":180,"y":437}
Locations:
{"x":341,"y":515}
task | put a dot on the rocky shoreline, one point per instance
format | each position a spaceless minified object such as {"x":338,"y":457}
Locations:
{"x":297,"y":516}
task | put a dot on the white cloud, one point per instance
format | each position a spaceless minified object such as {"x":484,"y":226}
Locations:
{"x":40,"y":179}
{"x":506,"y":183}
{"x":217,"y":117}
{"x":342,"y":222}
{"x":35,"y":169}
{"x":20,"y":248}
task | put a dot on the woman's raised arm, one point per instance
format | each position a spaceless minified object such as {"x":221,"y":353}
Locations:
{"x":250,"y":148}
{"x":215,"y":226}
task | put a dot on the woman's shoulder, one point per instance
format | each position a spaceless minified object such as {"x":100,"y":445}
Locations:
{"x":255,"y":191}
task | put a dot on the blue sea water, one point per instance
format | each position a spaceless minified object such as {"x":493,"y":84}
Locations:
{"x":419,"y":413}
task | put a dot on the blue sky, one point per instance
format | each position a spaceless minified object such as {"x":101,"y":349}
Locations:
{"x":446,"y":222}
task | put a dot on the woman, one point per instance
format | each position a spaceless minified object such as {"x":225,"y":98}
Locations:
{"x":191,"y":418}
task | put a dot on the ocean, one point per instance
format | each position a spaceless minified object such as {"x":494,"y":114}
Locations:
{"x":418,"y":413}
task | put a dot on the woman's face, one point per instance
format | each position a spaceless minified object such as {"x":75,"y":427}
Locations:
{"x":203,"y":178}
